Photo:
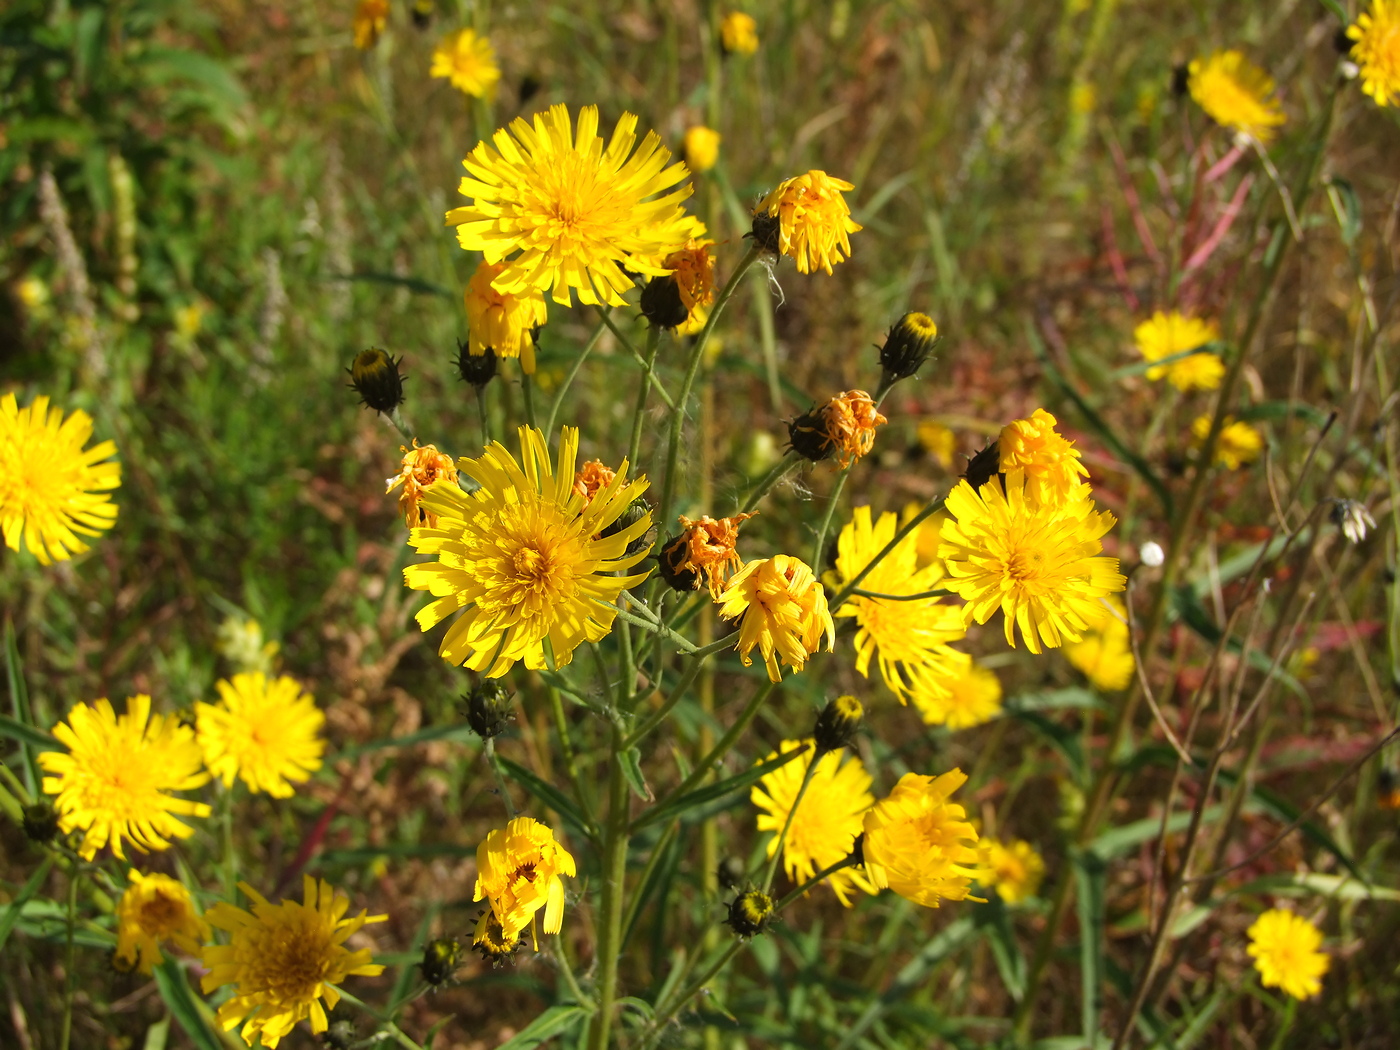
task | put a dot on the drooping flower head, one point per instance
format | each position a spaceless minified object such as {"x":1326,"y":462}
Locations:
{"x":807,"y":218}
{"x":1235,"y":93}
{"x":116,"y":780}
{"x":919,"y":844}
{"x":1050,"y":464}
{"x":52,"y":489}
{"x":371,"y":16}
{"x":1376,"y":49}
{"x":694,"y":270}
{"x":156,"y":909}
{"x":523,"y":559}
{"x":267,"y":733}
{"x":422,"y":468}
{"x":826,"y":823}
{"x":783,"y":610}
{"x":502,"y":321}
{"x":738,"y":33}
{"x":705,"y":550}
{"x":284,"y":959}
{"x":565,"y":213}
{"x":1238,"y":443}
{"x":519,"y":870}
{"x":1165,"y":334}
{"x":843,"y":426}
{"x":907,"y":635}
{"x":1104,"y":654}
{"x":468,"y":61}
{"x":1038,"y":564}
{"x":959,"y":694}
{"x":1014,"y":869}
{"x":1285,"y":948}
{"x":701,"y":147}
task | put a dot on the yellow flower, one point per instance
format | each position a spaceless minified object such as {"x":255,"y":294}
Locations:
{"x":50,"y":486}
{"x":738,"y":33}
{"x":701,"y":147}
{"x":806,"y":217}
{"x":371,"y":16}
{"x":33,"y":293}
{"x":1377,"y":51}
{"x":1014,"y":869}
{"x":1050,"y":463}
{"x":1235,"y":93}
{"x":844,"y":425}
{"x":519,"y":870}
{"x":283,"y":959}
{"x":1104,"y":654}
{"x":1238,"y":444}
{"x":1035,"y":563}
{"x":569,"y":213}
{"x":1163,"y":335}
{"x":502,"y":321}
{"x":189,"y":319}
{"x":919,"y":844}
{"x":926,"y":535}
{"x":784,"y":612}
{"x":827,"y":821}
{"x":907,"y":635}
{"x":1284,"y":947}
{"x":469,"y":62}
{"x":962,"y":696}
{"x":705,"y":550}
{"x":115,"y":780}
{"x":694,"y":269}
{"x":156,"y":908}
{"x":422,"y":468}
{"x":938,"y":441}
{"x":266,"y":733}
{"x":523,"y":557}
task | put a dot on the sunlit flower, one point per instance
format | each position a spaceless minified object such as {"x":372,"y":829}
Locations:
{"x":959,"y":694}
{"x":1376,"y":49}
{"x":1104,"y":654}
{"x":564,"y":212}
{"x":705,"y":549}
{"x":938,"y":441}
{"x":1238,"y":443}
{"x":267,"y":733}
{"x":844,"y":426}
{"x":919,"y":844}
{"x":519,"y":870}
{"x":283,"y":959}
{"x":422,"y":468}
{"x":694,"y":270}
{"x":1037,"y":563}
{"x":906,"y":634}
{"x":51,"y":488}
{"x":738,"y":33}
{"x":1165,"y":334}
{"x":502,"y":321}
{"x":1050,"y":464}
{"x":1014,"y":869}
{"x":807,"y":218}
{"x":371,"y":16}
{"x":926,"y":535}
{"x":1285,"y":948}
{"x":156,"y":909}
{"x":115,"y":780}
{"x":701,"y":147}
{"x":784,"y":612}
{"x":522,"y":557}
{"x":469,"y":62}
{"x":1235,"y":93}
{"x":826,"y":823}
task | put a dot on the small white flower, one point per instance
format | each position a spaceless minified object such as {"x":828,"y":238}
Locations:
{"x":1152,"y":554}
{"x":1354,"y":519}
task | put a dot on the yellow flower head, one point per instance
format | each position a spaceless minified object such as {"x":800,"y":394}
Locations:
{"x":706,"y":550}
{"x":845,"y":425}
{"x":694,"y":269}
{"x":1104,"y":654}
{"x":502,"y":321}
{"x":1014,"y":869}
{"x":938,"y":441}
{"x":564,"y":212}
{"x":1235,"y":93}
{"x":1050,"y":463}
{"x":268,"y":733}
{"x":50,"y":486}
{"x":522,"y":557}
{"x":701,"y":147}
{"x":1238,"y":444}
{"x":1285,"y":951}
{"x":827,"y":821}
{"x":806,"y":217}
{"x":784,"y":612}
{"x":519,"y":870}
{"x":189,"y":319}
{"x":926,"y":535}
{"x":738,"y":33}
{"x":592,"y":478}
{"x":919,"y":844}
{"x":1165,"y":334}
{"x":1376,"y":49}
{"x":155,"y":909}
{"x":907,"y":635}
{"x":1038,"y":564}
{"x":422,"y":467}
{"x":960,"y":695}
{"x":115,"y":780}
{"x":469,"y":62}
{"x":283,"y":959}
{"x":371,"y":16}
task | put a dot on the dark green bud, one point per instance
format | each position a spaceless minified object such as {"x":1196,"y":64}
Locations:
{"x":985,"y":465}
{"x":476,"y":369}
{"x":638,"y":509}
{"x":767,"y":232}
{"x":837,"y":724}
{"x":808,"y":438}
{"x":374,"y":375}
{"x":750,"y":913}
{"x":340,"y":1036}
{"x":441,"y":958}
{"x":40,"y":821}
{"x":661,"y":303}
{"x":910,"y":341}
{"x":487,"y":709}
{"x":674,"y":565}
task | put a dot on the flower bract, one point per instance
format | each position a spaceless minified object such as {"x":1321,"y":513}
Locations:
{"x":519,"y":870}
{"x":1376,"y":50}
{"x":264,"y":731}
{"x":1236,"y":94}
{"x":468,"y":62}
{"x":1285,"y":948}
{"x":156,"y":909}
{"x":1167,"y":334}
{"x":814,"y":221}
{"x":783,"y":610}
{"x":920,"y":844}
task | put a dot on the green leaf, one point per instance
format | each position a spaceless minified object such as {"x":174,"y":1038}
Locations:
{"x":28,"y":735}
{"x":1117,"y":841}
{"x":555,"y":1021}
{"x":679,"y":807}
{"x":1090,"y":877}
{"x":551,"y":797}
{"x":23,"y":713}
{"x":157,"y":1035}
{"x":1142,"y":366}
{"x":1311,"y":884}
{"x":183,"y":1006}
{"x":1057,"y":699}
{"x":1346,"y":207}
{"x":460,"y":731}
{"x":993,"y":919}
{"x":16,"y":907}
{"x":1337,"y":9}
{"x":631,"y":760}
{"x":1062,"y":739}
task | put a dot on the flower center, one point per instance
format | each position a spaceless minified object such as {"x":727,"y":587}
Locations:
{"x":294,"y":962}
{"x":161,"y":915}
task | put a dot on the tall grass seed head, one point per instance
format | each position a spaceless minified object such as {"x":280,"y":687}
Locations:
{"x":1375,"y":48}
{"x":837,"y":723}
{"x":701,"y":147}
{"x":266,"y":732}
{"x":156,"y":909}
{"x":476,"y":369}
{"x":488,"y":708}
{"x":919,"y":843}
{"x":375,"y":376}
{"x":1286,"y":949}
{"x":908,"y":345}
{"x":750,"y":913}
{"x":738,"y":33}
{"x":813,"y":221}
{"x":1236,"y":94}
{"x":468,"y":61}
{"x":782,"y":611}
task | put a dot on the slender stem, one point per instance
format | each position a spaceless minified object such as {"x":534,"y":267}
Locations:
{"x":634,"y":906}
{"x":634,"y":447}
{"x":398,"y":423}
{"x":681,"y":641}
{"x":481,"y":407}
{"x":677,"y":693}
{"x":569,"y":379}
{"x":819,"y":547}
{"x":921,"y":596}
{"x":932,"y":507}
{"x":388,"y":1026}
{"x":725,"y":742}
{"x":566,"y":745}
{"x":230,"y":853}
{"x":489,"y":750}
{"x":787,"y":823}
{"x":568,"y":972}
{"x":779,"y":470}
{"x":527,"y":388}
{"x":69,"y":978}
{"x":615,"y":841}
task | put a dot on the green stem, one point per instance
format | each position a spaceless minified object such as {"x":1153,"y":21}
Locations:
{"x":779,"y":470}
{"x":230,"y":853}
{"x":69,"y":977}
{"x":682,"y":642}
{"x":527,"y":389}
{"x":569,"y":379}
{"x":726,"y":742}
{"x":820,"y":546}
{"x":568,"y":973}
{"x":932,"y":507}
{"x":489,"y":750}
{"x":615,"y":842}
{"x":678,"y":691}
{"x":634,"y":447}
{"x":481,"y":407}
{"x":388,"y":1026}
{"x":787,"y":823}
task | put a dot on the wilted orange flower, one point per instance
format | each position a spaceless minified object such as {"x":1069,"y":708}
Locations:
{"x":706,"y":548}
{"x":694,"y":269}
{"x":592,"y":476}
{"x":850,"y":419}
{"x":422,"y":467}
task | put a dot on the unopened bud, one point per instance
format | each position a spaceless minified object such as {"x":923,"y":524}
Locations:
{"x":487,"y":708}
{"x":750,"y":913}
{"x":837,"y":723}
{"x":910,"y":341}
{"x":374,"y":375}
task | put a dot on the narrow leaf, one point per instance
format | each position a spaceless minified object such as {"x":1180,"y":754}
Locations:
{"x":631,"y":760}
{"x":23,"y":714}
{"x":550,"y":796}
{"x":181,"y":1002}
{"x":679,"y":807}
{"x":16,"y":907}
{"x":555,"y":1021}
{"x":1089,"y":874}
{"x":28,"y":735}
